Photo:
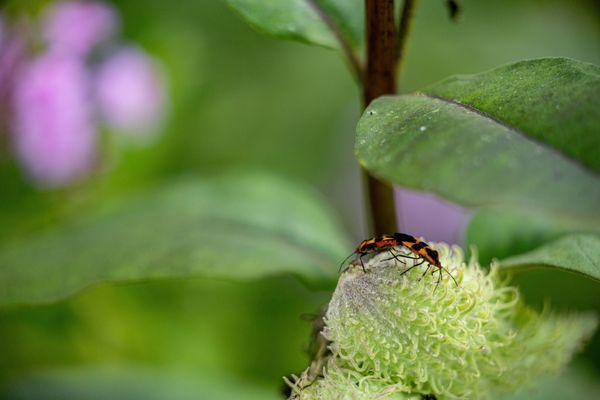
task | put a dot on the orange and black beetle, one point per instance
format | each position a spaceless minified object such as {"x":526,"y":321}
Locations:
{"x":382,"y":243}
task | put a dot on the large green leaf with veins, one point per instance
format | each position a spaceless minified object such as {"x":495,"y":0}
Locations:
{"x":520,"y":143}
{"x":554,"y":101}
{"x":241,"y":226}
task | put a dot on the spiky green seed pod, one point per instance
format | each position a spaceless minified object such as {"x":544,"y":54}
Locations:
{"x":346,"y":384}
{"x":395,"y":337}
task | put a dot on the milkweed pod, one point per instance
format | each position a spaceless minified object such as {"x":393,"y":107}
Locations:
{"x":392,"y":337}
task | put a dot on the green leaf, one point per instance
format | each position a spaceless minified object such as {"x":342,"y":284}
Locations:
{"x":555,"y":101}
{"x":130,"y":382}
{"x":520,"y":143}
{"x":502,"y":232}
{"x":303,"y":20}
{"x":579,"y":253}
{"x":474,"y":159}
{"x":236,"y":227}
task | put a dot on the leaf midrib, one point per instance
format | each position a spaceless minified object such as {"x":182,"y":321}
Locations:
{"x":282,"y":236}
{"x":513,"y":129}
{"x":317,"y":255}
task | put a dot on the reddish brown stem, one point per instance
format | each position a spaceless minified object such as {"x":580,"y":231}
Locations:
{"x":380,"y":79}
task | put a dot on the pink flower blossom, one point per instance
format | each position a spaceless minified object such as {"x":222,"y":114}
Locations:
{"x":77,"y":26}
{"x":130,"y":92}
{"x":53,"y":134}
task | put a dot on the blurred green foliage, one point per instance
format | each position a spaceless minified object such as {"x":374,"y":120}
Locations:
{"x":243,"y":100}
{"x":240,"y":227}
{"x":250,"y":331}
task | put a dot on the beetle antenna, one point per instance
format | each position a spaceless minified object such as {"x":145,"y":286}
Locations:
{"x":451,"y":276}
{"x":345,"y":259}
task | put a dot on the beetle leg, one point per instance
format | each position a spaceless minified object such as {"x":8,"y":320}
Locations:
{"x":415,"y":265}
{"x":438,"y":280}
{"x":400,"y":255}
{"x":394,"y":256}
{"x":424,"y":273}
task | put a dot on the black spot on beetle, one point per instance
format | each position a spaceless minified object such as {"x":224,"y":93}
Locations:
{"x":403,"y":237}
{"x":419,"y":246}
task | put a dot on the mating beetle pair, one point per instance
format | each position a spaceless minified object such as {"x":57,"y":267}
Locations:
{"x":386,"y":243}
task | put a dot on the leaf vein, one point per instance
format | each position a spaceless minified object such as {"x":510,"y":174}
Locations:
{"x":510,"y":128}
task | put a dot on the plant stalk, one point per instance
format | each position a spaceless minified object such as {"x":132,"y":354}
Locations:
{"x":380,"y":79}
{"x":385,"y":49}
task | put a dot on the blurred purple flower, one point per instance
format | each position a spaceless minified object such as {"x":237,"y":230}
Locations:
{"x":53,"y":134}
{"x":77,"y":26}
{"x":424,"y":214}
{"x":130,"y":92}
